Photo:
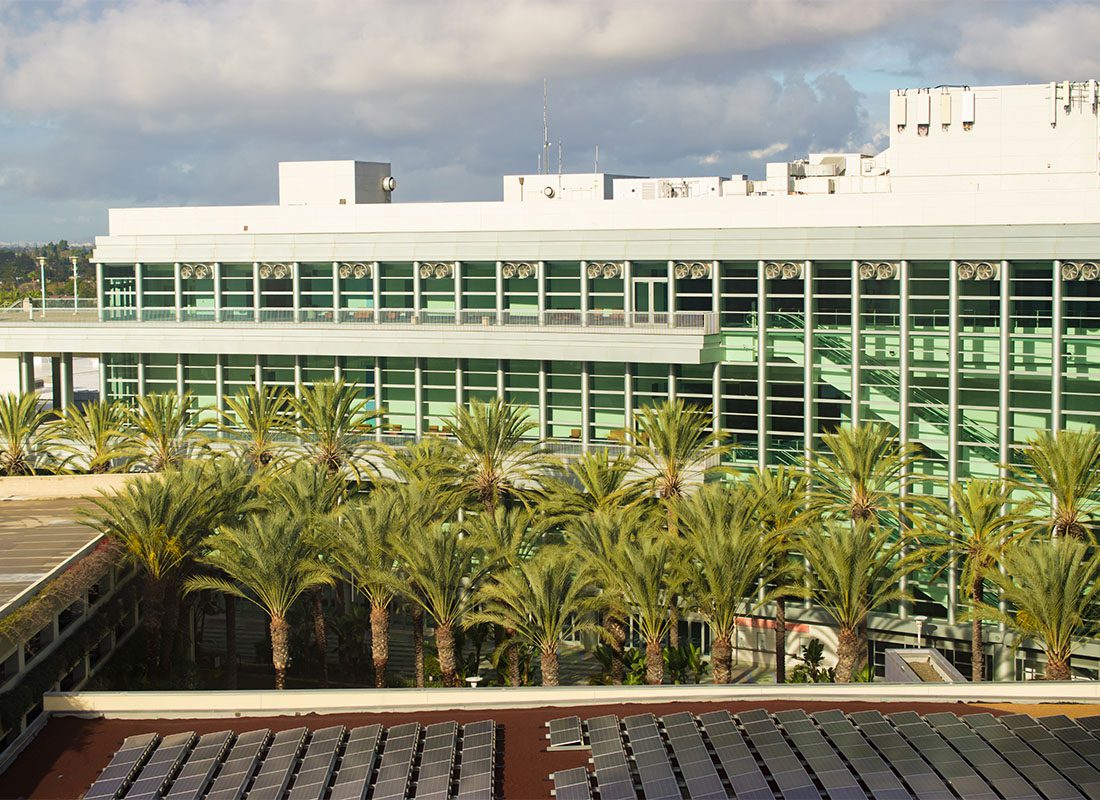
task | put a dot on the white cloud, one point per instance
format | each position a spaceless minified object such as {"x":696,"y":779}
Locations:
{"x":766,"y":152}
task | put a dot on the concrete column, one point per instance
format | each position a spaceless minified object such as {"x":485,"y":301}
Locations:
{"x":217,"y":270}
{"x":66,"y":360}
{"x":458,"y":293}
{"x":26,"y":368}
{"x":953,"y":424}
{"x":296,"y":290}
{"x":544,"y":423}
{"x":139,"y":293}
{"x":808,"y":360}
{"x":297,"y":376}
{"x":584,"y":293}
{"x":586,"y":406}
{"x":1004,"y":427}
{"x":903,"y":399}
{"x":335,"y":291}
{"x":257,"y":292}
{"x":500,"y":293}
{"x":55,"y":381}
{"x":259,"y":372}
{"x":628,"y":293}
{"x":181,"y":384}
{"x":378,"y":389}
{"x":11,"y":374}
{"x":177,"y":291}
{"x":376,"y":291}
{"x":857,"y":346}
{"x":337,"y":369}
{"x":761,"y":367}
{"x":418,"y":397}
{"x":102,"y":378}
{"x":671,"y":294}
{"x":100,"y":295}
{"x":716,"y":288}
{"x":500,"y":378}
{"x":1057,"y":366}
{"x":716,"y":397}
{"x":672,"y":382}
{"x":460,"y":384}
{"x":541,"y":279}
{"x":416,"y":288}
{"x":628,"y":397}
{"x":141,"y":386}
{"x":219,"y":382}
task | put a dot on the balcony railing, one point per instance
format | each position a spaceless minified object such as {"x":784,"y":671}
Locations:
{"x":62,"y":311}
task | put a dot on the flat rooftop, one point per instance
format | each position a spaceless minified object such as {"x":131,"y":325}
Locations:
{"x":38,"y":539}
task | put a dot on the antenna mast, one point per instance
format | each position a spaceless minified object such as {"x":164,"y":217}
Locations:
{"x":596,"y":165}
{"x":545,"y":131}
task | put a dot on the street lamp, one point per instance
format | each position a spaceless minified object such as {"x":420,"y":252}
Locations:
{"x":42,"y":278}
{"x":76,"y":291}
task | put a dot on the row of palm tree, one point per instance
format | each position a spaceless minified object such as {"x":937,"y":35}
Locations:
{"x":483,"y":526}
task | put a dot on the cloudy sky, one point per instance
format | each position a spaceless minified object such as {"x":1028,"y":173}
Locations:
{"x":190,"y":102}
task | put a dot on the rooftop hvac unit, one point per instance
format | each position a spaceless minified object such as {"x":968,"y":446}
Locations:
{"x":604,"y":269}
{"x":878,"y":270}
{"x":978,"y":270}
{"x":691,"y":269}
{"x":1080,"y":271}
{"x":787,"y":270}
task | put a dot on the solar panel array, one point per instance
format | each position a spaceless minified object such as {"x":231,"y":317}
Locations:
{"x":444,"y":761}
{"x":830,"y":754}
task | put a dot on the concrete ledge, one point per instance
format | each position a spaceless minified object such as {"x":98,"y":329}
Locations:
{"x":194,"y":705}
{"x":58,"y":487}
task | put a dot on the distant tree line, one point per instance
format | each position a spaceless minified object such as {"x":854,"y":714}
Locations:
{"x":19,"y":275}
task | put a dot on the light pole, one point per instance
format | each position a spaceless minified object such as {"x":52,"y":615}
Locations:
{"x":42,"y":278}
{"x":76,"y":290}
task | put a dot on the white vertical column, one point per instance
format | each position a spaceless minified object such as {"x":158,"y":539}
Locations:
{"x":100,"y":296}
{"x":953,"y":422}
{"x":672,"y":382}
{"x":378,"y":391}
{"x":219,"y":382}
{"x":628,"y":398}
{"x":26,"y":373}
{"x":416,"y":289}
{"x":257,"y":293}
{"x":716,"y":397}
{"x":139,"y":292}
{"x":460,"y":384}
{"x":376,"y":290}
{"x":716,"y":288}
{"x":544,"y":407}
{"x":761,"y":367}
{"x":141,"y":386}
{"x":102,"y":377}
{"x":259,"y":372}
{"x":66,"y":388}
{"x":296,"y":290}
{"x":177,"y":291}
{"x":808,"y":392}
{"x":458,"y":293}
{"x":217,"y":270}
{"x":671,"y":294}
{"x":297,"y":376}
{"x":499,"y":293}
{"x":337,"y":369}
{"x":500,"y":378}
{"x":584,"y":293}
{"x":418,"y":397}
{"x":586,"y":406}
{"x":541,"y":280}
{"x":857,"y":346}
{"x":181,"y":379}
{"x":335,"y":291}
{"x":903,"y":399}
{"x":1057,"y":365}
{"x":628,"y":293}
{"x":1004,"y":426}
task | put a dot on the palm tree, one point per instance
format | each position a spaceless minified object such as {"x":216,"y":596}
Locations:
{"x":779,"y":497}
{"x":497,"y":458}
{"x":164,"y":430}
{"x":92,"y":436}
{"x":982,"y":524}
{"x":444,"y":571}
{"x":676,"y":447}
{"x":642,"y":574}
{"x":725,"y":559}
{"x":260,"y":415}
{"x":21,"y":433}
{"x":271,"y":561}
{"x":1054,"y":586}
{"x":432,"y":461}
{"x":854,"y":570}
{"x":1064,"y":479}
{"x":541,"y":601}
{"x":159,"y":522}
{"x":365,"y":547}
{"x":593,"y":481}
{"x":333,"y":423}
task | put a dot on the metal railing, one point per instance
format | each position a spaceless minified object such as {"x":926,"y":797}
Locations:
{"x":61,"y":311}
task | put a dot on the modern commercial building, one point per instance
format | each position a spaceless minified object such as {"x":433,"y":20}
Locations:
{"x":949,"y":286}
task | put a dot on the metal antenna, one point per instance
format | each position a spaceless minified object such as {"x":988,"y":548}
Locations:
{"x":596,"y":166}
{"x":559,"y":156}
{"x":545,"y":130}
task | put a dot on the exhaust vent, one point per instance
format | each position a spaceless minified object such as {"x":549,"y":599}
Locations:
{"x":437,"y":269}
{"x":979,"y":270}
{"x":604,"y":269}
{"x":879,"y":270}
{"x":691,"y":269}
{"x":783,"y":270}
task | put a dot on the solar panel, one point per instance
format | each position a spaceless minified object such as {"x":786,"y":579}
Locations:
{"x":477,"y":770}
{"x":1027,"y":762}
{"x":278,"y":765}
{"x":786,"y":770}
{"x":1057,"y":753}
{"x":742,"y":771}
{"x":314,"y":774}
{"x":122,"y":767}
{"x":198,"y":771}
{"x":651,"y":758}
{"x":997,"y":772}
{"x":357,"y":764}
{"x":240,"y":764}
{"x":565,"y":733}
{"x":614,"y":780}
{"x":1091,"y":724}
{"x":831,"y":771}
{"x":692,"y":757}
{"x":959,"y":775}
{"x":395,"y":767}
{"x":1078,"y":739}
{"x":161,"y":766}
{"x":918,"y":775}
{"x":572,"y":784}
{"x":434,"y":779}
{"x":872,"y":771}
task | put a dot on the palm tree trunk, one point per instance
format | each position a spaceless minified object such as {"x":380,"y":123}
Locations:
{"x":514,"y":678}
{"x":445,"y":646}
{"x":721,"y":658}
{"x":280,"y":636}
{"x":977,"y":654}
{"x":320,"y":634}
{"x":847,"y":653}
{"x":152,"y":623}
{"x":616,"y":634}
{"x":549,"y":663}
{"x":380,"y":642}
{"x":780,"y":640}
{"x":673,"y":625}
{"x":654,"y":663}
{"x":1057,"y":668}
{"x":170,"y":614}
{"x":230,"y":642}
{"x":418,"y":645}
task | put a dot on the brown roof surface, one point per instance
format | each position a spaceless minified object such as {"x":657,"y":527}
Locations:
{"x":37,"y":537}
{"x":68,"y":754}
